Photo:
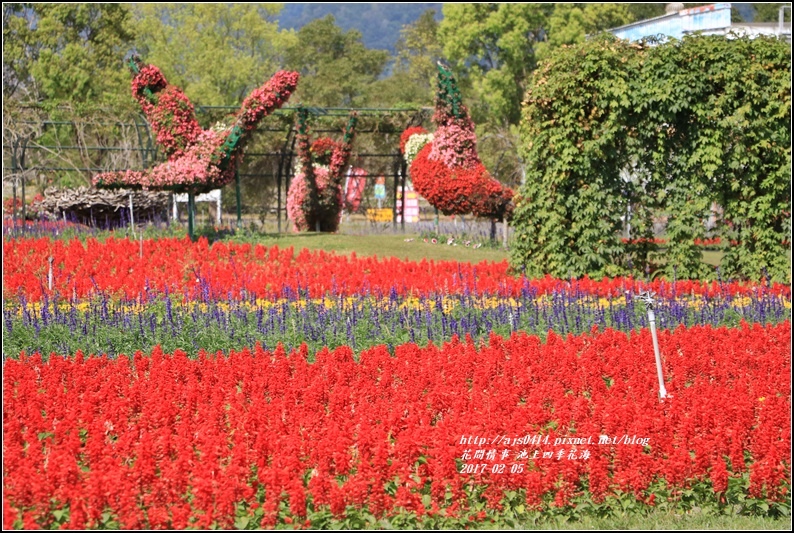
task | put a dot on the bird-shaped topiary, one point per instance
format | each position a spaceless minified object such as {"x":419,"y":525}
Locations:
{"x":445,"y":167}
{"x":198,"y":160}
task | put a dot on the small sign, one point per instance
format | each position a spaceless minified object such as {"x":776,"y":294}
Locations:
{"x":380,"y":188}
{"x":411,"y":206}
{"x":379,"y":215}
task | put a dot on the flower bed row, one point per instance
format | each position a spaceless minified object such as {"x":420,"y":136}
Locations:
{"x":163,"y":441}
{"x":132,"y":269}
{"x":109,"y":326}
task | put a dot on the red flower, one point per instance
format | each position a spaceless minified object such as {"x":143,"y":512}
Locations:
{"x":448,"y":171}
{"x":458,"y":190}
{"x":322,"y":149}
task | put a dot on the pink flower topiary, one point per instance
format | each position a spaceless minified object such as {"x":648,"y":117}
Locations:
{"x":197,"y":159}
{"x":314,"y":200}
{"x":447,"y":171}
{"x":296,"y":196}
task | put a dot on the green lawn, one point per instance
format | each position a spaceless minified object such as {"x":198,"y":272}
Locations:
{"x":395,"y":245}
{"x":382,"y":245}
{"x":371,"y":240}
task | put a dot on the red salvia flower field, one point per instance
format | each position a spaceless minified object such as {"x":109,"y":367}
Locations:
{"x":453,"y":430}
{"x":115,"y":267}
{"x":168,"y":442}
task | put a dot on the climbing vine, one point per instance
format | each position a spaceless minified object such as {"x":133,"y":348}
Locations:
{"x":693,"y":135}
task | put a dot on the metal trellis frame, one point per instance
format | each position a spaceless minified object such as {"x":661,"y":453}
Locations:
{"x":49,"y":155}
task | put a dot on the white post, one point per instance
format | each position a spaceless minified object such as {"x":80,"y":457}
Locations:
{"x":647,"y":297}
{"x":218,"y":212}
{"x":652,"y":321}
{"x":49,"y":274}
{"x":175,"y":214}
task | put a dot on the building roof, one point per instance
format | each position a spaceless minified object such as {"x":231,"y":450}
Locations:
{"x":709,"y":20}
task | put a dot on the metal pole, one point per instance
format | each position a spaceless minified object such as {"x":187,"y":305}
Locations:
{"x":237,"y":192}
{"x":278,"y":193}
{"x":132,"y":219}
{"x":191,"y":213}
{"x":288,"y":174}
{"x":24,"y":209}
{"x":402,"y":175}
{"x":14,"y":186}
{"x":22,"y":176}
{"x":281,"y":169}
{"x":647,"y":298}
{"x":396,"y":181}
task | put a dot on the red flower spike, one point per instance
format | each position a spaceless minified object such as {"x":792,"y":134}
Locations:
{"x":186,"y":428}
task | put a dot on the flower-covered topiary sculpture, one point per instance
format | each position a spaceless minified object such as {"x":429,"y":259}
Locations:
{"x":445,"y":167}
{"x":314,"y":199}
{"x":198,"y":160}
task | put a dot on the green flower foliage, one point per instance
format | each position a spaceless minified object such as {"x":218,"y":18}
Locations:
{"x":680,"y":131}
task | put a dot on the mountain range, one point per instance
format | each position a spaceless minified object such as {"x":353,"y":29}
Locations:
{"x":379,"y":23}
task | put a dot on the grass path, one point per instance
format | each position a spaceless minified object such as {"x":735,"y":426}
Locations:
{"x":383,"y":245}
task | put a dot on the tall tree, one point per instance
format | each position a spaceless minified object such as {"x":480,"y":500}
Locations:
{"x":412,"y":79}
{"x":644,"y":11}
{"x":494,"y":46}
{"x":418,"y":52}
{"x":217,"y":53}
{"x":571,"y":23}
{"x":770,"y":12}
{"x":58,"y":53}
{"x":335,"y":66}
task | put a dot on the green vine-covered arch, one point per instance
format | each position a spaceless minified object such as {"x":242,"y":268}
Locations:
{"x":669,"y":130}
